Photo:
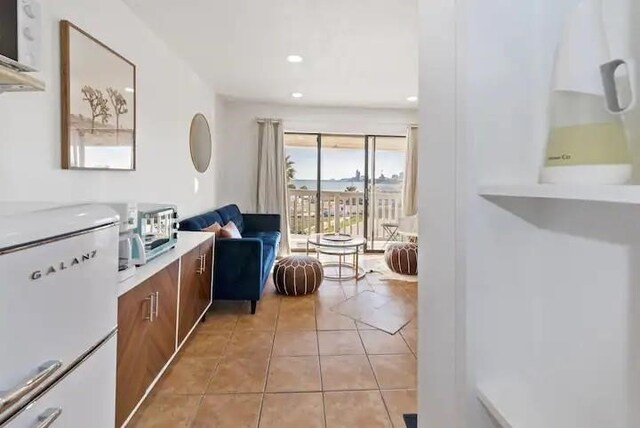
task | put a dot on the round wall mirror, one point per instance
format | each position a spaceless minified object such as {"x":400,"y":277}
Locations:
{"x":200,"y":142}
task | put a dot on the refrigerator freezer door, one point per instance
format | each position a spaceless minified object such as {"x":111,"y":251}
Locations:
{"x":84,"y":398}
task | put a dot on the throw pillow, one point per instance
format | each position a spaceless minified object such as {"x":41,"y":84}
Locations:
{"x":215,"y":228}
{"x":230,"y":230}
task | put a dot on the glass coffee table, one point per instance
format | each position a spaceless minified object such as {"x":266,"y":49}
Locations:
{"x":342,"y":246}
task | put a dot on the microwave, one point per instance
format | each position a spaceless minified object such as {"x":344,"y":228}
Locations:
{"x":157,"y":227}
{"x":20,"y":34}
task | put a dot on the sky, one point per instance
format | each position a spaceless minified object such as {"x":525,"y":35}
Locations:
{"x":342,"y":163}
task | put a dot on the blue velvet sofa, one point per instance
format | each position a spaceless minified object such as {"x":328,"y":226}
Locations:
{"x":241,"y":266}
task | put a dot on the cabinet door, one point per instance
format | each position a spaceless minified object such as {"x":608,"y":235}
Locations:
{"x":190,"y":273}
{"x":132,"y":376}
{"x":161,"y":335}
{"x":204,"y":295}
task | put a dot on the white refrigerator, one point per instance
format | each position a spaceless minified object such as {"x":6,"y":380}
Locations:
{"x":58,"y":315}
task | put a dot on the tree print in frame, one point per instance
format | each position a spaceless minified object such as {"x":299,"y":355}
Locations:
{"x":98,"y":104}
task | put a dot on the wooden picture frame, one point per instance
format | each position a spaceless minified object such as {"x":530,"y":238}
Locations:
{"x":98,"y":104}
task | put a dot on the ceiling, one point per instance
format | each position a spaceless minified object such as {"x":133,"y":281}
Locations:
{"x":356,"y":52}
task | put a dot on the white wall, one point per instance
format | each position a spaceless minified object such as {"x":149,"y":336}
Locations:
{"x":236,"y":160}
{"x":168,"y":94}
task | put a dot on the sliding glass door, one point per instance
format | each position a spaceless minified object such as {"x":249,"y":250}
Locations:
{"x":344,"y":184}
{"x":385,"y":174}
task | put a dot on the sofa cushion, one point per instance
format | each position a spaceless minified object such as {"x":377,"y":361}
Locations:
{"x":269,"y":239}
{"x":230,"y":231}
{"x":231,"y":213}
{"x":215,"y":228}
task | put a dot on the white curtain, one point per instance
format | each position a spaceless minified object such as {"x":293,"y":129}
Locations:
{"x":272,"y":181}
{"x":410,"y":183}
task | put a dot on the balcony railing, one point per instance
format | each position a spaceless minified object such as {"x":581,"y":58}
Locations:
{"x":342,"y":212}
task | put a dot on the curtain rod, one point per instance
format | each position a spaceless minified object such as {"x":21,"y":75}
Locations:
{"x":264,"y":120}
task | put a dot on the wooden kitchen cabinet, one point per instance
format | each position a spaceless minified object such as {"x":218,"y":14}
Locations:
{"x":195,"y":287}
{"x":205,"y":291}
{"x":161,"y":336}
{"x":146,"y":336}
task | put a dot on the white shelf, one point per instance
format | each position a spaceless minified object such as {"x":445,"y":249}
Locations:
{"x":509,"y":404}
{"x":15,"y":81}
{"x":622,"y":194}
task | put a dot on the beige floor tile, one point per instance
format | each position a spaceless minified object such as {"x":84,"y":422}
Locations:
{"x":354,"y":290}
{"x":380,"y":342}
{"x":413,"y":324}
{"x":260,"y":321}
{"x":210,"y":345}
{"x":329,"y":320}
{"x":383,"y":320}
{"x":340,"y":343}
{"x":216,"y":322}
{"x":411,"y":337}
{"x":228,"y":411}
{"x":250,"y":343}
{"x":398,"y":403}
{"x":294,"y":374}
{"x":351,"y":409}
{"x":187,"y":375}
{"x":346,"y":372}
{"x":390,"y":290}
{"x":394,"y":371}
{"x":239,"y":375}
{"x":228,"y":307}
{"x":295,"y":343}
{"x":296,"y":319}
{"x":362,"y":326}
{"x":289,"y":303}
{"x":292,"y":411}
{"x":167,"y":411}
{"x":269,"y":305}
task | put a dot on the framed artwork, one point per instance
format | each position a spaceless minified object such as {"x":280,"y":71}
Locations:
{"x":98,"y":104}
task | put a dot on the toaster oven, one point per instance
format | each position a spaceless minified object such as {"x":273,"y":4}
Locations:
{"x":157,"y":226}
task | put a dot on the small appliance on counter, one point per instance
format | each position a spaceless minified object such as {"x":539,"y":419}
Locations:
{"x":59,"y":315}
{"x":130,"y":242}
{"x":588,"y":142}
{"x":158,"y":228}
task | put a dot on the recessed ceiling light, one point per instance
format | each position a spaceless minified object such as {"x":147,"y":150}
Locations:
{"x":296,"y":94}
{"x":294,"y":59}
{"x":129,"y":90}
{"x":412,"y":99}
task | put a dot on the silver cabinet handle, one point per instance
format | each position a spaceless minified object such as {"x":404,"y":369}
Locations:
{"x":44,"y":372}
{"x":151,"y":299}
{"x":48,"y":417}
{"x":157,"y":299}
{"x":201,"y":268}
{"x":204,"y":263}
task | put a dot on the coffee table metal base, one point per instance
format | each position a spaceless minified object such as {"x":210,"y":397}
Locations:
{"x":346,"y":270}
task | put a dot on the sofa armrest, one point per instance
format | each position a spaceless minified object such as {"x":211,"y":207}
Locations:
{"x":261,"y":222}
{"x":238,"y":267}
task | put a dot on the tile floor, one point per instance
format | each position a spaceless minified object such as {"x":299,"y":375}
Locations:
{"x":295,"y":363}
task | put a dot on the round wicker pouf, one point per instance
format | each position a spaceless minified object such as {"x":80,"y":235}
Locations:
{"x":402,"y":258}
{"x":297,"y":275}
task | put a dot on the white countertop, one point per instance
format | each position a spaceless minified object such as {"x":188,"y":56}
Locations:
{"x":187,"y":241}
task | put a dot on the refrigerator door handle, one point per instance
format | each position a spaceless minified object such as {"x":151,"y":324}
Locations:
{"x":48,"y":417}
{"x":45,"y":371}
